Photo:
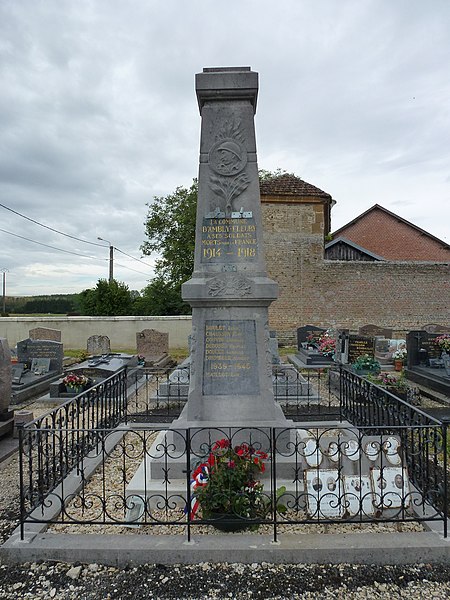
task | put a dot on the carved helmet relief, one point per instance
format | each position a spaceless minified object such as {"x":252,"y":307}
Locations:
{"x":228,"y":158}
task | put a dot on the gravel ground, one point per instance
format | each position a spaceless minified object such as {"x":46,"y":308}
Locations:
{"x":206,"y":581}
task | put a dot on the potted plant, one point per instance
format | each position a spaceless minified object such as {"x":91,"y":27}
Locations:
{"x":75,"y":384}
{"x":366,"y":364}
{"x":443,"y":341}
{"x":313,"y":341}
{"x":327,"y":346}
{"x":399,"y":357}
{"x":227,"y":489}
{"x":396,"y":385}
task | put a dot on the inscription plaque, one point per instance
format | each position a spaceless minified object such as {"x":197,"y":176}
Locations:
{"x":429,"y":344}
{"x":358,"y":346}
{"x":228,"y":240}
{"x":230,"y":357}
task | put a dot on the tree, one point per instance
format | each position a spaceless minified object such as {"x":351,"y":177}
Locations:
{"x":107,"y":299}
{"x":170,"y":229}
{"x":161,"y":297}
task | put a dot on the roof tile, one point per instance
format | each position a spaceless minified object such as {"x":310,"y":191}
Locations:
{"x":290,"y":185}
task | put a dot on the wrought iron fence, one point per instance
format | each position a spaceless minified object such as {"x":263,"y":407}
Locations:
{"x":56,"y":442}
{"x":159,"y":395}
{"x":83,"y":434}
{"x":164,"y":480}
{"x":364,"y":403}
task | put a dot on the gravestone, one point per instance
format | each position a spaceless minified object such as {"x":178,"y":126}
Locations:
{"x":229,"y":290}
{"x":44,"y":333}
{"x":359,"y":345}
{"x":98,"y":344}
{"x":29,"y":349}
{"x":17,"y":372}
{"x":152,"y":344}
{"x":422,"y":349}
{"x":435,"y":328}
{"x":273,"y":348}
{"x":303,"y":333}
{"x":375,"y":331}
{"x":5,"y":378}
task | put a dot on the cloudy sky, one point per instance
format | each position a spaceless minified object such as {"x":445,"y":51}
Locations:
{"x":98,"y":115}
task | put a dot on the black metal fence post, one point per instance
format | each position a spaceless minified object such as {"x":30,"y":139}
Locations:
{"x":188,"y":483}
{"x":21,"y":482}
{"x":444,"y":483}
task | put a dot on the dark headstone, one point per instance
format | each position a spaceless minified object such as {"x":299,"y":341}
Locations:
{"x":5,"y":376}
{"x":422,"y":349}
{"x":17,"y":372}
{"x":375,"y":331}
{"x":29,"y":349}
{"x":303,"y":333}
{"x":359,"y":345}
{"x":44,"y":333}
{"x":341,"y":354}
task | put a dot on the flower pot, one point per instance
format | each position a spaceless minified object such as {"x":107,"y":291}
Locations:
{"x":395,"y":391}
{"x":74,"y":390}
{"x":229,"y":522}
{"x":398,"y":365}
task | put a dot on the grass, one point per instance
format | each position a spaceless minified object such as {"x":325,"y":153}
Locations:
{"x":177,"y":354}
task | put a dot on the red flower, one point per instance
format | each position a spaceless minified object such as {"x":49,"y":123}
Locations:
{"x":223,"y":443}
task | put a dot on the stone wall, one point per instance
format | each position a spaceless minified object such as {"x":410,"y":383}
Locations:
{"x":76,"y":330}
{"x":401,"y":295}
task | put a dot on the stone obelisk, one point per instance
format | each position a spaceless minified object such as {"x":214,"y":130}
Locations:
{"x":231,"y":380}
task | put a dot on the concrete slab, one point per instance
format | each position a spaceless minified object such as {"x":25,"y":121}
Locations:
{"x":122,"y":550}
{"x":8,"y":445}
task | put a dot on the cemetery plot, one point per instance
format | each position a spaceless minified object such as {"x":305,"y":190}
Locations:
{"x":334,"y":488}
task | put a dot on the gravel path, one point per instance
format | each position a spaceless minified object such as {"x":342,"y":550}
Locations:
{"x":206,"y":581}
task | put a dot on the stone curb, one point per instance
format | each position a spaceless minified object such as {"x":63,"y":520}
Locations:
{"x":122,"y":550}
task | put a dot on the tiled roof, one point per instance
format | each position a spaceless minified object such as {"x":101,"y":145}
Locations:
{"x":290,"y":185}
{"x":386,"y":234}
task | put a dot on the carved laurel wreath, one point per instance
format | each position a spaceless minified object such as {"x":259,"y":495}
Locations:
{"x":231,"y":286}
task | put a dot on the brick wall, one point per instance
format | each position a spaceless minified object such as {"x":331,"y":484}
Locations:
{"x":383,"y":234}
{"x":313,"y":291}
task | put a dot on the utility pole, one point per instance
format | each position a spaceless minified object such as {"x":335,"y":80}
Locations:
{"x":4,"y":270}
{"x":111,"y":259}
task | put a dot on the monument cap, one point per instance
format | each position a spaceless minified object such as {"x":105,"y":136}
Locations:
{"x":226,"y":83}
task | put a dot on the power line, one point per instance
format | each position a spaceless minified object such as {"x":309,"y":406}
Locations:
{"x":130,"y":269}
{"x":138,"y":259}
{"x":51,"y":228}
{"x":68,"y":251}
{"x":69,"y":236}
{"x":52,"y":247}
